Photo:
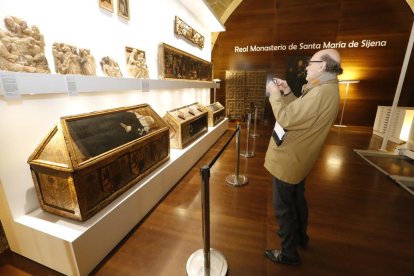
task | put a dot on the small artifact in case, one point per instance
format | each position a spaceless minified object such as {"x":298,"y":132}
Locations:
{"x":216,"y":113}
{"x":186,"y":123}
{"x":88,"y":160}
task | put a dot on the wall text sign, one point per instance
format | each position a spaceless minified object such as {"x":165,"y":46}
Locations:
{"x":366,"y":43}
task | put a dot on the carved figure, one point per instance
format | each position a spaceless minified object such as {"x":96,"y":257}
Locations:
{"x":123,"y":8}
{"x":22,"y":47}
{"x":68,"y":60}
{"x":183,"y":29}
{"x":106,"y":4}
{"x":88,"y":65}
{"x":198,"y":39}
{"x":110,"y":67}
{"x":136,"y":64}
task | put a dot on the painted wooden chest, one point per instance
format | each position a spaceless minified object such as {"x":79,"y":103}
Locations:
{"x":216,"y":113}
{"x":88,"y":160}
{"x":186,"y":123}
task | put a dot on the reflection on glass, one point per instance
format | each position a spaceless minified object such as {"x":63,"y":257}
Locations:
{"x":96,"y":135}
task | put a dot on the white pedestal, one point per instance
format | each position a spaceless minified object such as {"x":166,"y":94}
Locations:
{"x":76,"y":248}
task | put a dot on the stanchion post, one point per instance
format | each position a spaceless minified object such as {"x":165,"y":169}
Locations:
{"x":206,"y":261}
{"x":248,"y":153}
{"x":238,"y":150}
{"x":255,"y":123}
{"x":205,"y":205}
{"x":236,"y":179}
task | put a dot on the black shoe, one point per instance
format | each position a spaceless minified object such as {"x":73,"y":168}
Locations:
{"x":276,"y":256}
{"x":302,"y":243}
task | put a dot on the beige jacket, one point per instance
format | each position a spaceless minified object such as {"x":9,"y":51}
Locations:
{"x":307,"y":120}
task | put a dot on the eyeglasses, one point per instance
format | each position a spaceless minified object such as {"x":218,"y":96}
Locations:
{"x":310,"y":61}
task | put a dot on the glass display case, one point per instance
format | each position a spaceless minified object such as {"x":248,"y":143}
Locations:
{"x":216,"y":113}
{"x":186,"y":123}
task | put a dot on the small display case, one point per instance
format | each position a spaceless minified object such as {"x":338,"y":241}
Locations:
{"x":88,"y":160}
{"x":216,"y":113}
{"x":186,"y":123}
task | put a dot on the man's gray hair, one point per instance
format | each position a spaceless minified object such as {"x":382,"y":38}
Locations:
{"x":332,"y":66}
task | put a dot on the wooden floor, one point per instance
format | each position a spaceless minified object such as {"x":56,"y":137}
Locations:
{"x":361,"y":222}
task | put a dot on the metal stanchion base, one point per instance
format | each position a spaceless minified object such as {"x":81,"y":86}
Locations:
{"x":236,"y":180}
{"x":247,"y":154}
{"x":218,"y":264}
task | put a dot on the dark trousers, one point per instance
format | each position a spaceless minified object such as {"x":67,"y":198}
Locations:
{"x":291,"y":211}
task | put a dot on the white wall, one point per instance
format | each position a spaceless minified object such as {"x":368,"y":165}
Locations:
{"x":24,"y":122}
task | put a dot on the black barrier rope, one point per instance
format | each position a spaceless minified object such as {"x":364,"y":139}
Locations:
{"x":209,"y":255}
{"x":223,"y":148}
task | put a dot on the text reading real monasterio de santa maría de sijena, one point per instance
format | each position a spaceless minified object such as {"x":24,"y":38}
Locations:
{"x":366,"y":43}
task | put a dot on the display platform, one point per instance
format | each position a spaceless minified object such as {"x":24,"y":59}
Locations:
{"x":76,"y":248}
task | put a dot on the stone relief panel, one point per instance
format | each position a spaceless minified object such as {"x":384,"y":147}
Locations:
{"x":107,"y":5}
{"x":22,"y":48}
{"x":136,"y":63}
{"x":110,"y":67}
{"x":69,"y":60}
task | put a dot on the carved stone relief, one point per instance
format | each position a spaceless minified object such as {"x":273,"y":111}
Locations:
{"x":68,"y":60}
{"x":88,"y":65}
{"x":136,"y":63}
{"x":110,"y":67}
{"x":107,"y":5}
{"x":22,"y":47}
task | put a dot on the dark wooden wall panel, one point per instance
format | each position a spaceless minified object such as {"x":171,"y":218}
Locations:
{"x":278,"y":22}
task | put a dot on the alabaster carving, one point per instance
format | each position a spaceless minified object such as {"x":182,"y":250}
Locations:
{"x":107,"y":5}
{"x":22,"y":47}
{"x":136,"y":63}
{"x":183,"y":29}
{"x":110,"y":67}
{"x":88,"y":65}
{"x":123,"y":8}
{"x":68,"y":60}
